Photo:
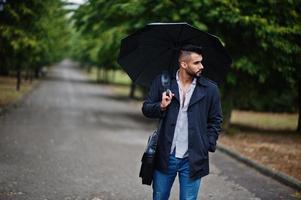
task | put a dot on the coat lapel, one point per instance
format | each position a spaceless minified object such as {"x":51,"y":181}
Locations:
{"x":199,"y":91}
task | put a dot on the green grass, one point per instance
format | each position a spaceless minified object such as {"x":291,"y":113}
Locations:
{"x":119,"y":81}
{"x":262,"y":120}
{"x":118,"y":77}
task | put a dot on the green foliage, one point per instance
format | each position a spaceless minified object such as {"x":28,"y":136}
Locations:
{"x":32,"y":33}
{"x":263,"y":37}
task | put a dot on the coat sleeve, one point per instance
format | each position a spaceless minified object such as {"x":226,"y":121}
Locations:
{"x":215,"y":119}
{"x":151,"y":105}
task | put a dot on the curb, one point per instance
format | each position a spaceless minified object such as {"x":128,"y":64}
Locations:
{"x":277,"y":175}
{"x":18,"y":101}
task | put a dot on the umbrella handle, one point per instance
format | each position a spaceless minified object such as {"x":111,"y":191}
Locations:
{"x":168,"y":92}
{"x":165,"y":81}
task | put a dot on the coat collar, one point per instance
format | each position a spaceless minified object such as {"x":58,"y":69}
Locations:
{"x":198,"y":93}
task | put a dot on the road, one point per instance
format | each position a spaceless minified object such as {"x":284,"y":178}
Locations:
{"x":71,"y":139}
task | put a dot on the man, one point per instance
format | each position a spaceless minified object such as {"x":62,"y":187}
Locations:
{"x":192,"y":120}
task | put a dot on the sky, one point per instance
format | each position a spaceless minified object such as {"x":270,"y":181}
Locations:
{"x":76,"y":1}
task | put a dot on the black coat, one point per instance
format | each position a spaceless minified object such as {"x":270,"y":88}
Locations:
{"x":204,"y":123}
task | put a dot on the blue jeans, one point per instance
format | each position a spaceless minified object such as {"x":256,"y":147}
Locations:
{"x":162,"y":182}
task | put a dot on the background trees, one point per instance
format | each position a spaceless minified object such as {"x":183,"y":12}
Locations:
{"x":32,"y":34}
{"x":263,"y":38}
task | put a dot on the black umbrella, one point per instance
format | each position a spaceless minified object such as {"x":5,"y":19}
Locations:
{"x":155,"y":48}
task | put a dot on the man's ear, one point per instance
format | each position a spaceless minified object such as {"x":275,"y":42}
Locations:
{"x":183,"y":64}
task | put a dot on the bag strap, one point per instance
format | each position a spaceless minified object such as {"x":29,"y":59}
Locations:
{"x":165,"y":82}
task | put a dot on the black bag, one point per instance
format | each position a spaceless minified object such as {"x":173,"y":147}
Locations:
{"x":148,"y":158}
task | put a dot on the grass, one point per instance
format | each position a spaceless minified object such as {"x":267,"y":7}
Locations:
{"x":8,"y":90}
{"x":265,"y":121}
{"x":117,"y":77}
{"x":120,"y":83}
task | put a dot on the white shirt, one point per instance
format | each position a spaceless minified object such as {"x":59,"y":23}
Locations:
{"x":180,"y":139}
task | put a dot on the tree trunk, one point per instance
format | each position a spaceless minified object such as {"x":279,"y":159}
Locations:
{"x":103,"y":79}
{"x":88,"y":67}
{"x":227,"y":104}
{"x":113,"y":76}
{"x":132,"y":91}
{"x":30,"y":76}
{"x":299,"y":120}
{"x":299,"y":105}
{"x":18,"y":78}
{"x":37,"y":72}
{"x":26,"y":75}
{"x":227,"y":110}
{"x":105,"y":75}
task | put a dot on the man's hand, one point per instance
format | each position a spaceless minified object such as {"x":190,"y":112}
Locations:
{"x":166,"y":100}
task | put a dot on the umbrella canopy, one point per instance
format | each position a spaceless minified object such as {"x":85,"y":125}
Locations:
{"x":155,"y":48}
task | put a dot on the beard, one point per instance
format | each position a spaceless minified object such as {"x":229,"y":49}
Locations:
{"x":198,"y":73}
{"x":194,"y":74}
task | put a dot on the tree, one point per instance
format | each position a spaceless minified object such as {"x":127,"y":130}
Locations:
{"x":29,"y":36}
{"x":262,"y":37}
{"x":266,"y":43}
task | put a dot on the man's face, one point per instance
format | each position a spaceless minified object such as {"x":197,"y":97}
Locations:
{"x":193,"y":65}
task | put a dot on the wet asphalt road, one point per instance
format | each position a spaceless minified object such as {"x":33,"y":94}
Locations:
{"x":73,"y":140}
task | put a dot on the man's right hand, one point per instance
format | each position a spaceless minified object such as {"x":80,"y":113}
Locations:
{"x":166,"y":100}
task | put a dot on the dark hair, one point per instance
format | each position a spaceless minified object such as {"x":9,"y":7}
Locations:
{"x":192,"y":48}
